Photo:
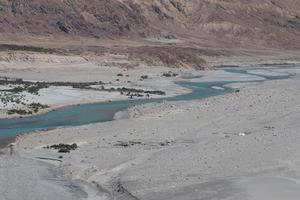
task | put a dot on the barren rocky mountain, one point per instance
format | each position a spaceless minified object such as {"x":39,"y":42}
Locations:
{"x":179,"y":29}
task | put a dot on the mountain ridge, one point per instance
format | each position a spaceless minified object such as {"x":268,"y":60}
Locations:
{"x":219,"y":25}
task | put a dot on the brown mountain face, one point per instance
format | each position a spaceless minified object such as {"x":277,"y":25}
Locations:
{"x":91,"y":18}
{"x":216,"y":26}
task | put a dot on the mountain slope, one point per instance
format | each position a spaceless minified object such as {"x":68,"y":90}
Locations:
{"x":201,"y":24}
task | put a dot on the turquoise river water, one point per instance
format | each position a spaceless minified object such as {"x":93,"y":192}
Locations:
{"x":100,"y":112}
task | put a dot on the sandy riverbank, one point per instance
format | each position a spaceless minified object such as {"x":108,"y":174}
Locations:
{"x":55,"y":68}
{"x":221,"y":147}
{"x":65,"y":69}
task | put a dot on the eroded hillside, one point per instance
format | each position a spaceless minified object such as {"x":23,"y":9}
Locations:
{"x":206,"y":26}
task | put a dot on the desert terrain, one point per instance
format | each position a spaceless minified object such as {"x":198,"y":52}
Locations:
{"x":238,"y":146}
{"x":149,"y":100}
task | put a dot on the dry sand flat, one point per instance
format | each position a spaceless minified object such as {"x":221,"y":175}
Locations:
{"x":23,"y":178}
{"x":76,"y":69}
{"x":190,"y":150}
{"x":51,"y":68}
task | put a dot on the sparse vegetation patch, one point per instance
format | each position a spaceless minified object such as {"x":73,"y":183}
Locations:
{"x":63,"y":148}
{"x":170,"y":74}
{"x":12,"y":47}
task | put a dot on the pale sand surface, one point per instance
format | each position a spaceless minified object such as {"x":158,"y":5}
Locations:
{"x":246,"y":60}
{"x":23,"y":178}
{"x":76,"y":70}
{"x":51,"y":68}
{"x":238,"y":146}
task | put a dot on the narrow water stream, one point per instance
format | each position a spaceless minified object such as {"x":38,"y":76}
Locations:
{"x":100,"y":112}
